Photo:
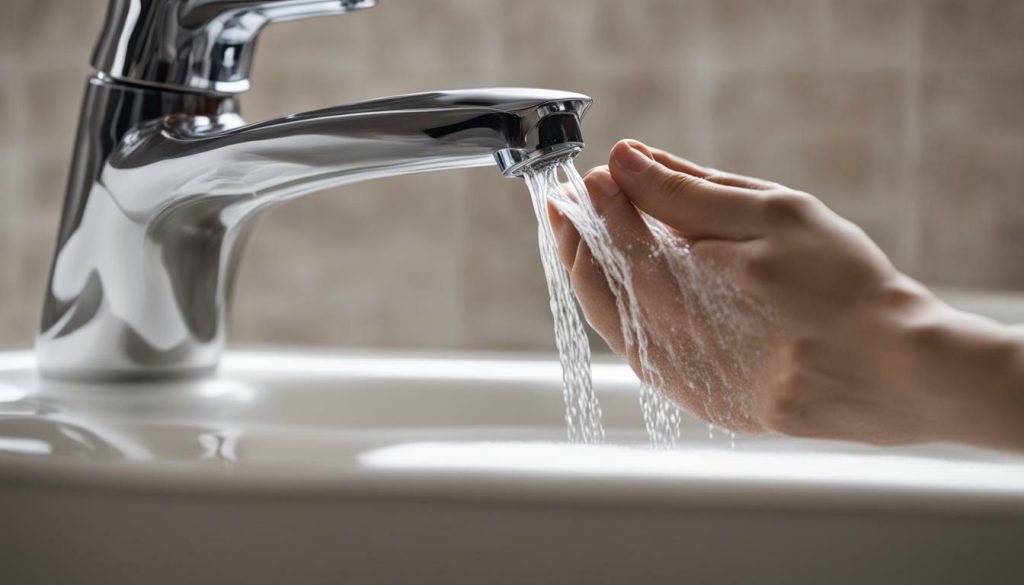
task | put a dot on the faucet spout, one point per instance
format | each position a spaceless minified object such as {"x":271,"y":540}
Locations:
{"x":155,"y":220}
{"x":278,"y":159}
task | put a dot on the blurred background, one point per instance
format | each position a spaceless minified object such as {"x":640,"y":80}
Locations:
{"x":906,"y":116}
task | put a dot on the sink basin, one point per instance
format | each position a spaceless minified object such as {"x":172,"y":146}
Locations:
{"x":357,"y":467}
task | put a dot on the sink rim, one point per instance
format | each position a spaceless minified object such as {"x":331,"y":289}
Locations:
{"x":587,"y":480}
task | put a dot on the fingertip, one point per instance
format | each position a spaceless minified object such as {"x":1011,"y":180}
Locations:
{"x":648,"y":152}
{"x":628,"y":143}
{"x":630,"y":158}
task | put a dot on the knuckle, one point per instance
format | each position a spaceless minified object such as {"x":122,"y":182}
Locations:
{"x":930,"y":335}
{"x":789,"y":207}
{"x":676,"y":185}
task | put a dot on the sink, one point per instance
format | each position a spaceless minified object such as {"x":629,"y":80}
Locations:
{"x":371,"y":467}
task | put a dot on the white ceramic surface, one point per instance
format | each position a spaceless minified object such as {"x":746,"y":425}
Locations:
{"x":362,"y":467}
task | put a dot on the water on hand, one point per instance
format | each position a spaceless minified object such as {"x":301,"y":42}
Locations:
{"x":703,"y":361}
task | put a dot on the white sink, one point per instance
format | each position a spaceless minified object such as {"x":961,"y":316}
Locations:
{"x":371,"y":468}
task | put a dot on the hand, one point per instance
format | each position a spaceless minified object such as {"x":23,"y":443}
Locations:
{"x":765,"y":311}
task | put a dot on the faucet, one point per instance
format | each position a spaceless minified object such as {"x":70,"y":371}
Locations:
{"x":167,"y":178}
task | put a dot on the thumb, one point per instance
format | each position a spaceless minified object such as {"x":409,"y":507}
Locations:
{"x":698,"y":208}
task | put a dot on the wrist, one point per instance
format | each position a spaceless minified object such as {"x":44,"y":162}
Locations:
{"x":967,"y":372}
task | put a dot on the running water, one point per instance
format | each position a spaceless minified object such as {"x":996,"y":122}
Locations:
{"x":582,"y":411}
{"x":674,"y":358}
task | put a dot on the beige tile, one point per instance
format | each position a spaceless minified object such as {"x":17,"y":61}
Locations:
{"x":12,"y":327}
{"x":279,"y":90}
{"x":601,"y":34}
{"x":10,"y":53}
{"x":765,"y":104}
{"x":43,"y":184}
{"x":411,"y":36}
{"x":35,"y":241}
{"x":55,"y":32}
{"x":505,"y":295}
{"x":325,"y":45}
{"x":25,"y":249}
{"x":870,"y":32}
{"x":376,"y":84}
{"x":370,"y":264}
{"x":755,"y":32}
{"x":10,"y":215}
{"x":540,"y":35}
{"x":52,"y":99}
{"x":381,"y":303}
{"x":973,"y":31}
{"x":971,"y":217}
{"x":309,"y":64}
{"x":10,"y":115}
{"x":971,"y":101}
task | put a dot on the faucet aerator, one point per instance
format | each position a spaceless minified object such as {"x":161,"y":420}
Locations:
{"x":558,"y":136}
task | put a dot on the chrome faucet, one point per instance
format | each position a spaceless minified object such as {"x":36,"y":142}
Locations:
{"x":167,"y":178}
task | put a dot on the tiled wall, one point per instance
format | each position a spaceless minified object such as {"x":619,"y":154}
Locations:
{"x":905,"y":115}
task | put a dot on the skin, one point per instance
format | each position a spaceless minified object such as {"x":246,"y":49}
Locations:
{"x":855,"y":350}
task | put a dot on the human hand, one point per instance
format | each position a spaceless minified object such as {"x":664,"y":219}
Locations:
{"x":764,"y":310}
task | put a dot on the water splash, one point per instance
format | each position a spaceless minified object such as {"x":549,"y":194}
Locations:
{"x":702,"y":364}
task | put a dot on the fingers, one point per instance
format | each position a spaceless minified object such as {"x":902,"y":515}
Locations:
{"x":596,"y":299}
{"x":567,"y":239}
{"x":631,"y":235}
{"x":628,"y":230}
{"x":697,"y":207}
{"x":682,"y":165}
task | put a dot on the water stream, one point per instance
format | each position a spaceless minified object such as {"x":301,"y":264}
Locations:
{"x":582,"y":411}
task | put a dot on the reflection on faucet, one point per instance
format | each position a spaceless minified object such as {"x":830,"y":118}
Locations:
{"x":167,"y":179}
